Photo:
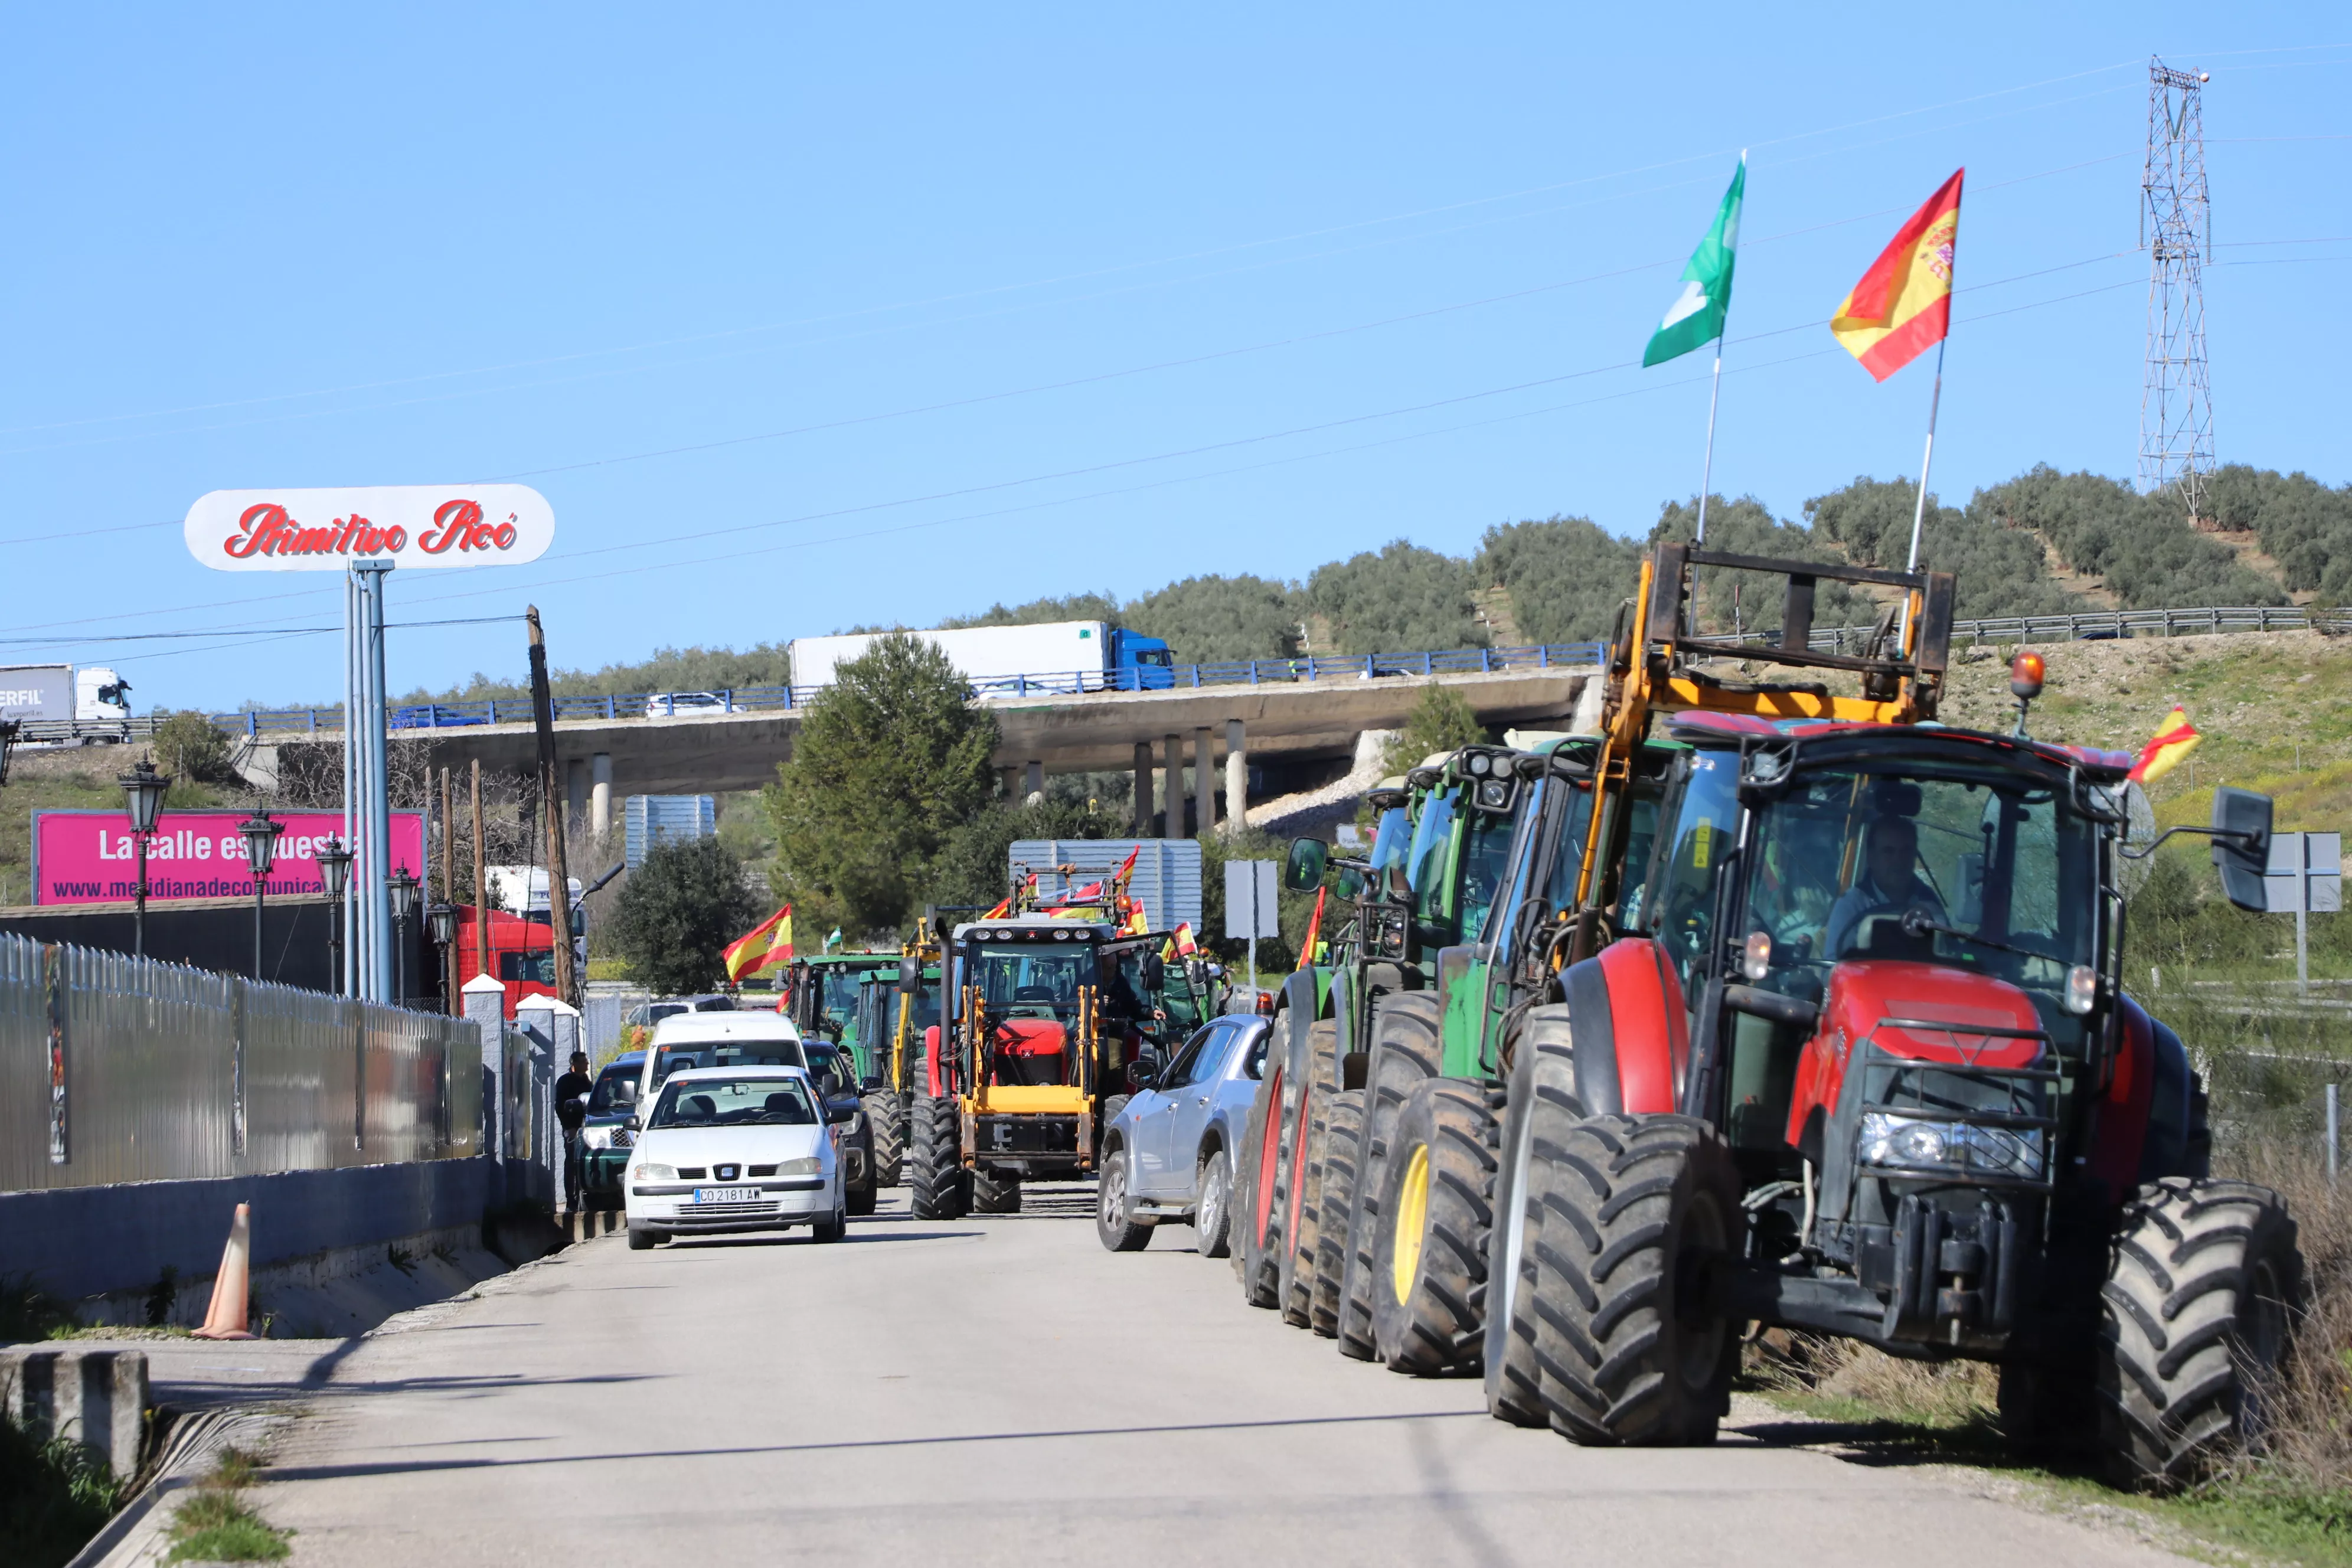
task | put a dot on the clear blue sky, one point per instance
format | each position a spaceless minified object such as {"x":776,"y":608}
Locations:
{"x":1296,"y":282}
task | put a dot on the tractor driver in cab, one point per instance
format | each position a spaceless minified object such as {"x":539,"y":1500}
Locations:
{"x":1887,"y":882}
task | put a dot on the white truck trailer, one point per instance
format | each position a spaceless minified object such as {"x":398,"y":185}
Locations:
{"x":1055,"y":655}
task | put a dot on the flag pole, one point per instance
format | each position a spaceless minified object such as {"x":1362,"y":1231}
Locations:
{"x":1919,"y":511}
{"x":1706,"y":467}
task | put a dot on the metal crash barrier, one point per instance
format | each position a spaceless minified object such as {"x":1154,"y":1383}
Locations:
{"x":115,"y":1069}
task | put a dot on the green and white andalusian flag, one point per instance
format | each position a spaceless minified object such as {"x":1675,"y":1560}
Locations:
{"x":1696,"y":317}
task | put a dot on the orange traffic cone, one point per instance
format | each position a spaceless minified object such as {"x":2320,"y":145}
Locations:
{"x":226,"y":1318}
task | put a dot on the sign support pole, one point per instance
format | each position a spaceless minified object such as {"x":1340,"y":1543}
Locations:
{"x":365,"y":725}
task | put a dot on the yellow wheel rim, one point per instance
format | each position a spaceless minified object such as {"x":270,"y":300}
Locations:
{"x":1411,"y":1218}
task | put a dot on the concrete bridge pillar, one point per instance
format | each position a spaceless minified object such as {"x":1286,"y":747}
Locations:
{"x":1032,"y":780}
{"x":600,"y":794}
{"x":1143,"y":789}
{"x":1171,"y":794}
{"x":1204,"y":785}
{"x":1009,"y":777}
{"x":575,"y":791}
{"x":1236,"y":777}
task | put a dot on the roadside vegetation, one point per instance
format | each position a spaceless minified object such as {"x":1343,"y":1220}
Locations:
{"x":55,"y":1494}
{"x":217,"y":1521}
{"x":677,"y":911}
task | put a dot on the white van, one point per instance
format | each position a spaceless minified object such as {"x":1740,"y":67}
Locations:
{"x":717,"y":1040}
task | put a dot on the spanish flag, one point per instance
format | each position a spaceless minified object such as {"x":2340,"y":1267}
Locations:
{"x":766,"y":944}
{"x":1312,"y":940}
{"x":1904,"y":303}
{"x":2174,"y":739}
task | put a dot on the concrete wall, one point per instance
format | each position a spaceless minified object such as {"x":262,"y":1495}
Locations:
{"x":78,"y":1242}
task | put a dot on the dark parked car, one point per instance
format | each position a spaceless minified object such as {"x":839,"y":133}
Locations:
{"x":604,"y":1137}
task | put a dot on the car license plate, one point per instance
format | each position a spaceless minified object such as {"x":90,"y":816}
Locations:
{"x":726,"y":1194}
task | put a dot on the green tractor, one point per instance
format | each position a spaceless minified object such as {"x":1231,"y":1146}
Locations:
{"x":824,"y":996}
{"x":1309,"y":1161}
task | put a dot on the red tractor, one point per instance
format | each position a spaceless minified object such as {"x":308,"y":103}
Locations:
{"x":1858,"y":1059}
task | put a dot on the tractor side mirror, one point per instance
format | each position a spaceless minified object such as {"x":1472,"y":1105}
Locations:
{"x":910,"y":973}
{"x":1303,"y":871}
{"x":1155,"y":971}
{"x":2241,"y":845}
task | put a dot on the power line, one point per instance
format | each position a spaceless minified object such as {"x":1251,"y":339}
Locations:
{"x":1176,"y":454}
{"x":1067,"y":278}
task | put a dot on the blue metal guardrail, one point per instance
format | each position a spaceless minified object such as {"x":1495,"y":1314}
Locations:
{"x":779,"y":698}
{"x":2187,"y":622}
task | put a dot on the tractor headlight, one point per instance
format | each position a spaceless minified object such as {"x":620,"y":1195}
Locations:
{"x":806,"y":1165}
{"x":654,"y":1173}
{"x":2081,"y":989}
{"x":1893,"y":1141}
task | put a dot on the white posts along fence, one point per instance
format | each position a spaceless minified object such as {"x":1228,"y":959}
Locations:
{"x":115,"y":1069}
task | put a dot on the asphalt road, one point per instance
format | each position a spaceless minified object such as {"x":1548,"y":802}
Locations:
{"x":1002,"y":1391}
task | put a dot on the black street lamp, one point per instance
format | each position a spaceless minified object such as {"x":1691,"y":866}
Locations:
{"x":143,"y":799}
{"x":260,"y":831}
{"x":442,"y":921}
{"x":335,"y":875}
{"x":404,"y":908}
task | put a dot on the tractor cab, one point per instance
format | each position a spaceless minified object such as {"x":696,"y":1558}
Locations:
{"x":1015,"y":1071}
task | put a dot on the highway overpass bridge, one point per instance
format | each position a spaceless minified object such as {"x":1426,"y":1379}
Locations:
{"x":1285,"y":726}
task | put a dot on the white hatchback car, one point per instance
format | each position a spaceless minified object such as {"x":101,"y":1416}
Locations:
{"x":734,"y":1149}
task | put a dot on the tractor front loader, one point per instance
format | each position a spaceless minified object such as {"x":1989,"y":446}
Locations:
{"x":1015,"y":1080}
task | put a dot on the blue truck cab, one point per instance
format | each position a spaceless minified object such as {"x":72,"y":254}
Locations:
{"x":1139,"y":663}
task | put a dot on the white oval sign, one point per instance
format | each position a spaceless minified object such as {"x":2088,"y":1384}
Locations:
{"x":409,"y":525}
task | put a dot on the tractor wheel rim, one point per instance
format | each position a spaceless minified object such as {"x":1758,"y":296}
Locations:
{"x":1412,"y":1220}
{"x":1298,"y":1161}
{"x":1514,"y":1218}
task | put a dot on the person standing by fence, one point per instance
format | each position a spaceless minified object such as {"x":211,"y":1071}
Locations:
{"x":571,"y":1091}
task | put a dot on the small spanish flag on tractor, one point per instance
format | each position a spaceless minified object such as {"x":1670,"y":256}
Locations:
{"x":1903,"y":305}
{"x":2174,"y":739}
{"x":766,"y":944}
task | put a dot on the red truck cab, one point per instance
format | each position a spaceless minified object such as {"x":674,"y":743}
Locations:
{"x":522,"y":953}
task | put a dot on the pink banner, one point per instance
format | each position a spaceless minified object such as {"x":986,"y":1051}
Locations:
{"x":88,"y":856}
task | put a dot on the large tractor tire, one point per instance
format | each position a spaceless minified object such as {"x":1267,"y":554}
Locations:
{"x":2201,"y":1296}
{"x":992,"y":1194}
{"x":1257,"y":1218}
{"x":1642,"y":1227}
{"x":1343,"y":1138}
{"x":1437,"y":1211}
{"x":1304,"y":1188}
{"x":1404,"y":1053}
{"x":943,"y":1187}
{"x":888,"y":1117}
{"x":1540,"y":1108}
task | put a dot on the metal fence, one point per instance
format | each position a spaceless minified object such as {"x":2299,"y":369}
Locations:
{"x":2102,"y":625}
{"x":622,"y":705}
{"x":618,"y":705}
{"x":115,"y":1069}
